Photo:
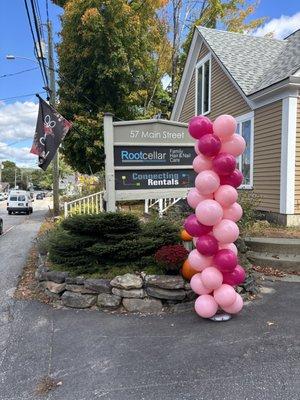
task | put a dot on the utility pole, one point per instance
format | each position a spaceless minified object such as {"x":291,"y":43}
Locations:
{"x":52,"y":102}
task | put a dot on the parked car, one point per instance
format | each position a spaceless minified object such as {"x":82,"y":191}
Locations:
{"x":39,"y":196}
{"x":19,"y":201}
{"x":1,"y":226}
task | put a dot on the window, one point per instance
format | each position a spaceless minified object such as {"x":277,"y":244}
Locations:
{"x":245,"y":161}
{"x":203,"y":73}
{"x":13,"y":198}
{"x":21,"y":198}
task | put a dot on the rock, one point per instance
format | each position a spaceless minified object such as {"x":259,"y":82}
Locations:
{"x":75,"y":280}
{"x":165,"y":281}
{"x":98,"y":285}
{"x":191,"y":295}
{"x":40,"y":273}
{"x":54,"y":296}
{"x":165,"y":293}
{"x":127,"y":281}
{"x":55,"y":287}
{"x":142,"y":305}
{"x":182,"y":307}
{"x":79,"y":289}
{"x":77,"y":300}
{"x":56,"y":276}
{"x":132,"y":293}
{"x":106,"y":300}
{"x":187,"y":286}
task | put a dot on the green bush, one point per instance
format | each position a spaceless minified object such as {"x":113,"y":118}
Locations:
{"x":165,"y":232}
{"x":249,"y":201}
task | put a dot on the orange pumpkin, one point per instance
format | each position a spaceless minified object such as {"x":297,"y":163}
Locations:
{"x":185,"y":236}
{"x":187,"y":271}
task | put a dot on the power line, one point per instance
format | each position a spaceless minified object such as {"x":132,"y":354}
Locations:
{"x":22,"y":95}
{"x":18,"y":73}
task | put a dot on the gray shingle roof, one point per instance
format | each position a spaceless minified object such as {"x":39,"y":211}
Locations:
{"x":254,"y":62}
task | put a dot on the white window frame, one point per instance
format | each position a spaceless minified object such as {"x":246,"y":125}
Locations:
{"x":239,"y":120}
{"x":199,"y":65}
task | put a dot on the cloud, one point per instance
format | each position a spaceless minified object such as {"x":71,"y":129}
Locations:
{"x":20,"y":155}
{"x":280,"y":27}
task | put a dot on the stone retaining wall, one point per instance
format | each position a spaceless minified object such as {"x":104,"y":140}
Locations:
{"x":129,"y":293}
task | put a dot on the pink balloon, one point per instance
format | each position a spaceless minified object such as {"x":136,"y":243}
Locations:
{"x":207,"y":245}
{"x":198,"y":261}
{"x":224,"y":164}
{"x":225,"y":295}
{"x":234,"y":212}
{"x":235,"y":145}
{"x":209,"y":145}
{"x":225,"y":231}
{"x":209,"y":212}
{"x":226,"y":195}
{"x":201,"y":163}
{"x":196,"y":148}
{"x":194,"y":197}
{"x":194,"y":227}
{"x":236,"y":306}
{"x":229,"y":246}
{"x":195,"y":240}
{"x":197,"y":285}
{"x":236,"y":277}
{"x":199,"y":126}
{"x":225,"y":260}
{"x":207,"y":182}
{"x":235,"y":179}
{"x":224,"y":126}
{"x":206,"y":306}
{"x":211,"y":278}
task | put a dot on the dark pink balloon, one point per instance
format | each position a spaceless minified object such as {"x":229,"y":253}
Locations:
{"x":207,"y":245}
{"x":224,"y":164}
{"x":225,"y":260}
{"x":236,"y":277}
{"x":194,"y":227}
{"x":235,"y":179}
{"x":209,"y":145}
{"x":200,"y":126}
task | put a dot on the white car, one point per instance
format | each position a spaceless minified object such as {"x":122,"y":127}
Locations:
{"x":19,"y":201}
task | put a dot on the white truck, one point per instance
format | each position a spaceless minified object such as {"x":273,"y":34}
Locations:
{"x":19,"y":201}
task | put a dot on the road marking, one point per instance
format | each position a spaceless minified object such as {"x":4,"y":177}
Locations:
{"x":7,"y":230}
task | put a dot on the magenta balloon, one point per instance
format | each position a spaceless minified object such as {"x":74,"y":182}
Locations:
{"x":235,"y":145}
{"x":201,"y":163}
{"x":211,"y":278}
{"x":234,"y":212}
{"x":226,"y":195}
{"x":197,"y":285}
{"x":236,"y":306}
{"x":236,"y":277}
{"x":224,"y":164}
{"x":200,"y":126}
{"x":207,"y":182}
{"x":198,"y":261}
{"x":206,"y":306}
{"x":194,"y":227}
{"x":225,"y":231}
{"x":194,"y":197}
{"x":235,"y":179}
{"x":225,"y":295}
{"x":224,"y":126}
{"x":229,"y":246}
{"x":225,"y":260}
{"x":209,"y":145}
{"x":209,"y":212}
{"x":207,"y":245}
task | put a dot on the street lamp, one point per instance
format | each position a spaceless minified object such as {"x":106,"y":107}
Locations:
{"x":13,"y":57}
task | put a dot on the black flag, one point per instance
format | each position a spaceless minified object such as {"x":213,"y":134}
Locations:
{"x":51,"y":128}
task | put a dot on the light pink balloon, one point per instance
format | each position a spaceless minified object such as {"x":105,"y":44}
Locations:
{"x":209,"y":212}
{"x":207,"y":182}
{"x":197,"y":148}
{"x":206,"y":306}
{"x":225,"y":295}
{"x":195,"y":240}
{"x":224,"y":126}
{"x":194,"y":197}
{"x":236,"y":306}
{"x":229,"y":246}
{"x":225,"y":231}
{"x":197,"y":285}
{"x":198,"y":261}
{"x":226,"y":195}
{"x":234,"y":212}
{"x":211,"y":278}
{"x":235,"y":145}
{"x":201,"y":163}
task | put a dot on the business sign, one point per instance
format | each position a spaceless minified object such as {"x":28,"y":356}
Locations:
{"x":153,"y":155}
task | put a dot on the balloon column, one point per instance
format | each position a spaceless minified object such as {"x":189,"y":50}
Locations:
{"x":213,"y":226}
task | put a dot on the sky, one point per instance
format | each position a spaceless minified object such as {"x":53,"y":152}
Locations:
{"x":18,"y":114}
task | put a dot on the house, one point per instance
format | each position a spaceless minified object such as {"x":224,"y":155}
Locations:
{"x":257,"y":80}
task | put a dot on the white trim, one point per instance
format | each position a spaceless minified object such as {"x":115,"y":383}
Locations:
{"x":198,"y":65}
{"x":240,"y":119}
{"x":288,"y":155}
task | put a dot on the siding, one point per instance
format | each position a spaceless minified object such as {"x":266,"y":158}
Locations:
{"x":297,"y":178}
{"x":225,"y":98}
{"x":267,"y":154}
